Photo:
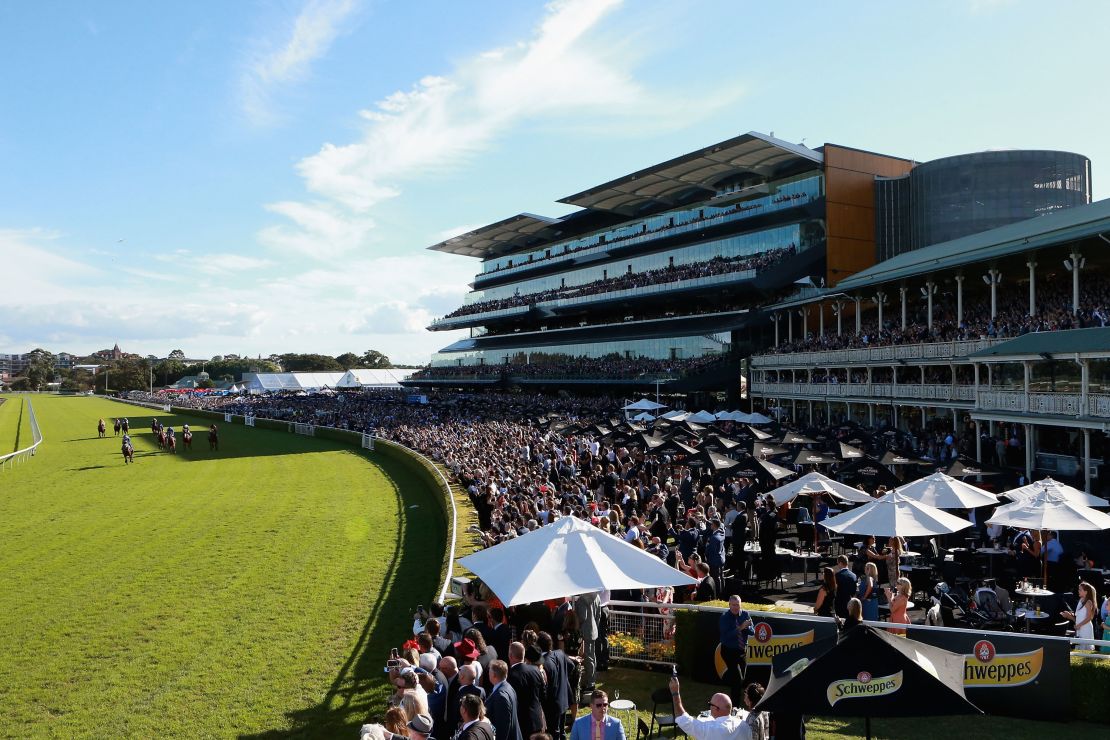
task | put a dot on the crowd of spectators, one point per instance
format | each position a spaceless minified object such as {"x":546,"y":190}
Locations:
{"x":1054,"y":313}
{"x":702,"y":217}
{"x":630,"y":280}
{"x":563,"y":366}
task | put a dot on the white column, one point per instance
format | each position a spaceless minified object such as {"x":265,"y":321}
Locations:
{"x":775,"y":318}
{"x":871,"y":415}
{"x":839,"y":317}
{"x":978,"y":442}
{"x":1087,"y":460}
{"x":903,"y":290}
{"x":1084,"y":386}
{"x":959,"y":299}
{"x":993,"y":278}
{"x":1028,"y":453}
{"x":789,"y":328}
{"x":858,"y":300}
{"x":805,"y":323}
{"x":821,"y":320}
{"x":930,"y":289}
{"x":1075,"y":263}
{"x":880,"y":299}
{"x":1027,"y":372}
{"x":1032,"y":265}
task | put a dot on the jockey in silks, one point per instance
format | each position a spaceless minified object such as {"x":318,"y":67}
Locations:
{"x":126,"y":440}
{"x":169,"y":432}
{"x":184,"y":428}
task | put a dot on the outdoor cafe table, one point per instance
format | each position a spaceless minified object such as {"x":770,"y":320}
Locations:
{"x":805,"y":557}
{"x":992,"y":553}
{"x":1031,"y":615}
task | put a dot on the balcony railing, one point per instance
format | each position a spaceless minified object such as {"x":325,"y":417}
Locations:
{"x":881,"y":391}
{"x":866,"y":355}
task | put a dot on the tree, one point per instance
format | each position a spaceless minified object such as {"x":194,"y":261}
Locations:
{"x":309,"y":363}
{"x":176,"y":355}
{"x":169,"y":371}
{"x":348,"y":360}
{"x":40,"y":371}
{"x":127,"y":374}
{"x":77,"y":380}
{"x":375,"y":359}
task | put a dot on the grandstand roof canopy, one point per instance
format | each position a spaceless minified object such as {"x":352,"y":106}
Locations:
{"x":373,"y":377}
{"x":1060,"y":227}
{"x":1049,"y":344}
{"x":500,"y":238}
{"x":670,"y":183}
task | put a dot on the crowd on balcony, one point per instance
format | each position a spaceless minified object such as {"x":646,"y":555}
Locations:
{"x":630,"y":280}
{"x":610,"y":367}
{"x":717,"y":213}
{"x":1054,"y":313}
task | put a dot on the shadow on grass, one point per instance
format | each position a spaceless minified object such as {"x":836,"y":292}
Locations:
{"x":359,"y":692}
{"x":90,"y":467}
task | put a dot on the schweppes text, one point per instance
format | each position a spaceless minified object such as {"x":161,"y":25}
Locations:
{"x":1002,"y":670}
{"x":766,"y":645}
{"x":862,"y":687}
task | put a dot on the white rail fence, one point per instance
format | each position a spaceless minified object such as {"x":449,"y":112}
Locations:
{"x":26,"y":453}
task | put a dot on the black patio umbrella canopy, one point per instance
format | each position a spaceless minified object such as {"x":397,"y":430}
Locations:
{"x":867,"y":673}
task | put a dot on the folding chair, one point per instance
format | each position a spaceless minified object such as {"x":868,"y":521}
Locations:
{"x":662,"y":698}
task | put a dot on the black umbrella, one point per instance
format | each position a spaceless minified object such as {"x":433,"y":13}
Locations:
{"x":796,"y":438}
{"x":716,"y":462}
{"x":867,"y":673}
{"x":673,"y":445}
{"x":850,"y":453}
{"x":965,"y":466}
{"x":895,"y":458}
{"x":649,"y":443}
{"x":762,"y":449}
{"x":717,"y":442}
{"x":868,"y":471}
{"x":813,"y":457}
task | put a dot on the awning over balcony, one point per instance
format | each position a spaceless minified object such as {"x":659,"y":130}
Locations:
{"x":500,"y":238}
{"x":1049,"y":345}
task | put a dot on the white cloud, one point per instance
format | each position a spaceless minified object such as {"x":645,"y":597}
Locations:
{"x":37,"y":273}
{"x":311,"y":35}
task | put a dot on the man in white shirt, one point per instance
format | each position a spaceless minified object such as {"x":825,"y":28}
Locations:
{"x":719,"y":725}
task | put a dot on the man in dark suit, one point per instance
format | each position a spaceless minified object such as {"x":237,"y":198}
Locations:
{"x":557,"y":697}
{"x":445,"y":725}
{"x":707,"y":585}
{"x":501,"y":706}
{"x":588,"y":609}
{"x":502,"y":633}
{"x":474,"y":724}
{"x":846,"y":582}
{"x":527,"y":680}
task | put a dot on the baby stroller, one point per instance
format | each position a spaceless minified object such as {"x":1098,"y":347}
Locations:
{"x":987,"y":613}
{"x":946,"y":609}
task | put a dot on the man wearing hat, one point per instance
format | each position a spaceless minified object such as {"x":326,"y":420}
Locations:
{"x":420,"y":727}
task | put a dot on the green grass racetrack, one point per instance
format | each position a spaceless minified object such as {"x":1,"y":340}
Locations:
{"x":250,"y":592}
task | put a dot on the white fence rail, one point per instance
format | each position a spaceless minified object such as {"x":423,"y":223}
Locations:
{"x":845,"y":357}
{"x":26,"y":453}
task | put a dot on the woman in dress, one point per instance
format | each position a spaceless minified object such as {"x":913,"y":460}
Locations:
{"x":895,"y":547}
{"x":826,"y":595}
{"x":571,"y":640}
{"x":868,"y":592}
{"x":899,"y":602}
{"x":1084,"y":615}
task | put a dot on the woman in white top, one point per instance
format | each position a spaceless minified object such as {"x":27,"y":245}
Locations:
{"x":1084,"y":615}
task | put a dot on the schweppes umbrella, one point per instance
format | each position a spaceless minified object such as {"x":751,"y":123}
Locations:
{"x":867,"y":673}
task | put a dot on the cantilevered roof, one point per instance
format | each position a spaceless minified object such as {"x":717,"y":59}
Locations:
{"x":501,"y":237}
{"x":669,"y":183}
{"x":1060,"y":227}
{"x":1045,"y":344}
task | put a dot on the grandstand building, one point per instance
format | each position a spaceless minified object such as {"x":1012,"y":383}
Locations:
{"x":663,"y":276}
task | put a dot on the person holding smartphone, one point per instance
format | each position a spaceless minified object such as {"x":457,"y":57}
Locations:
{"x":736,"y":627}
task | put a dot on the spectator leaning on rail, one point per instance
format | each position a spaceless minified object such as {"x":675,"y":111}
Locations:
{"x":719,"y":725}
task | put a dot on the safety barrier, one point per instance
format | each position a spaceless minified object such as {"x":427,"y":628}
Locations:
{"x":27,"y":452}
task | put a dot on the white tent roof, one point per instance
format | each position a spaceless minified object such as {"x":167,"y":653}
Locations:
{"x":567,"y":558}
{"x":896,"y":515}
{"x":818,"y":483}
{"x":945,"y":492}
{"x":1056,"y":488}
{"x":373,"y":377}
{"x":313,"y":381}
{"x":644,"y":405}
{"x":702,"y":417}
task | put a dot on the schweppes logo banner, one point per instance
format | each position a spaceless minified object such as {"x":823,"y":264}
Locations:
{"x":863,"y":686}
{"x":986,"y":668}
{"x":765,"y":644}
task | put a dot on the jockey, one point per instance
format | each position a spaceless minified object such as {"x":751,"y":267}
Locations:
{"x":169,"y":431}
{"x":126,"y":440}
{"x":184,"y":428}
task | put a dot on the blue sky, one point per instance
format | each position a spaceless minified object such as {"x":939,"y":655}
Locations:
{"x":258,"y":177}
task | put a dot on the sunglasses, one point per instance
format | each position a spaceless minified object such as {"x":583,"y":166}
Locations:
{"x":714,"y":706}
{"x":599,"y":706}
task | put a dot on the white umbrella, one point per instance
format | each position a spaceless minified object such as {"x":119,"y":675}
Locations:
{"x":758,"y":418}
{"x":702,"y":417}
{"x":896,"y":515}
{"x":1057,"y":489}
{"x":946,"y":492}
{"x":1049,"y":510}
{"x":644,"y":416}
{"x":566,"y":558}
{"x":644,"y":405}
{"x":676,"y":415}
{"x":817,"y":483}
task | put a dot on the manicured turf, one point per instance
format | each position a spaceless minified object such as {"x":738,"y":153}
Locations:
{"x":9,"y":423}
{"x":250,"y":592}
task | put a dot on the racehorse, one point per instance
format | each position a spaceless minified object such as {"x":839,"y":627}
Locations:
{"x":126,"y":426}
{"x":213,"y":439}
{"x":101,"y":428}
{"x":171,"y":444}
{"x":155,"y":427}
{"x":128,"y":453}
{"x":117,"y":427}
{"x":162,"y":440}
{"x":187,"y":440}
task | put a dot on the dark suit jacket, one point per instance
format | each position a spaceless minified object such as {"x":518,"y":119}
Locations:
{"x":477,"y":731}
{"x":502,"y":636}
{"x":502,"y":713}
{"x":451,"y":708}
{"x":557,"y":696}
{"x":527,"y":681}
{"x":706,"y":590}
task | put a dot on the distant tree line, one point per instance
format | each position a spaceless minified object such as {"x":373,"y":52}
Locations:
{"x":132,"y":373}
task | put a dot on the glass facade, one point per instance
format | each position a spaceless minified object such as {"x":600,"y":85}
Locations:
{"x":785,"y":194}
{"x":666,"y":348}
{"x":733,"y":246}
{"x":957,"y":196}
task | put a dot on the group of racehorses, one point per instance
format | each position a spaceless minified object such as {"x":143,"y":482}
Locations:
{"x":166,"y":439}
